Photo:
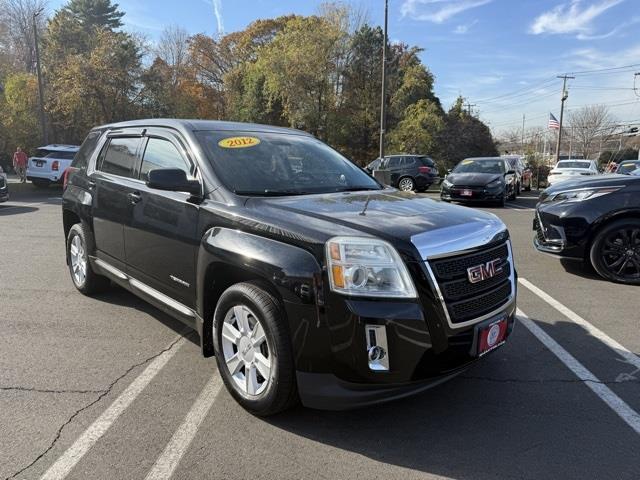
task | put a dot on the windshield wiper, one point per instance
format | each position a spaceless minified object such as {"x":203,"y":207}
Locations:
{"x":358,"y":189}
{"x":270,"y":193}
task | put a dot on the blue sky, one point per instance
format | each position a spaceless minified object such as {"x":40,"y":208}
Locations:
{"x":482,"y":49}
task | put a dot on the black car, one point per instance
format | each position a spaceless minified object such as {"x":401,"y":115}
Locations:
{"x":627,"y":166}
{"x":594,"y":220}
{"x":4,"y":188}
{"x":407,"y":172}
{"x":485,"y":179}
{"x":304,"y":276}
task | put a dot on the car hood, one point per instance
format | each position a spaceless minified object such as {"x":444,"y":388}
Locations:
{"x":389,"y":214}
{"x":473,"y":179}
{"x":593,"y":181}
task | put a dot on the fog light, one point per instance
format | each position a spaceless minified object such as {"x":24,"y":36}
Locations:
{"x":377,"y":349}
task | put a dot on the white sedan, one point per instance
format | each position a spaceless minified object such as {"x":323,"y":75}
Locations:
{"x":571,"y":170}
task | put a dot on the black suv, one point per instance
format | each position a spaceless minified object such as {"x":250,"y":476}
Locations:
{"x":407,"y":172}
{"x":304,"y":276}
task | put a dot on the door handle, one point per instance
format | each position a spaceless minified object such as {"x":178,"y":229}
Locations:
{"x":134,"y":197}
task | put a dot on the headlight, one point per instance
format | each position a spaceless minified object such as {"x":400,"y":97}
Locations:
{"x":496,"y":183}
{"x":578,"y":195}
{"x":367,"y":267}
{"x":446,"y":183}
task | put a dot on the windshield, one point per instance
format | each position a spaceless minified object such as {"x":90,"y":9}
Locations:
{"x":628,"y":167}
{"x":480,"y":166}
{"x":256,"y":163}
{"x":573,"y":165}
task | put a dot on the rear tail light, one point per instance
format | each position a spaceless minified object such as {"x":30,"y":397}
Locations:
{"x":65,"y":176}
{"x":424,"y":169}
{"x":55,"y":166}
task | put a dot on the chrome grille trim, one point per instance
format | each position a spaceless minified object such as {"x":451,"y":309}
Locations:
{"x":510,"y":301}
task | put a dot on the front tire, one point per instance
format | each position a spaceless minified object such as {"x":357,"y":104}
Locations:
{"x":253,"y":349}
{"x":615,"y":252}
{"x":79,"y":244}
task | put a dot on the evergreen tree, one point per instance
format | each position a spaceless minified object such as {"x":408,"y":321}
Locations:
{"x":95,"y":14}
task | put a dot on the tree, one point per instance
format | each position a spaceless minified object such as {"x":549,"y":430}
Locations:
{"x":418,"y":131}
{"x":92,"y":14}
{"x":19,"y":111}
{"x":464,"y":136}
{"x":588,"y":127}
{"x":17,"y":42}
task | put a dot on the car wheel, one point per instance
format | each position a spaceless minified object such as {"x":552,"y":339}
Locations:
{"x":517,"y":191}
{"x":406,"y":184}
{"x":501,"y":203}
{"x":40,"y":183}
{"x":615,"y":252}
{"x":253,"y":349}
{"x":79,"y":243}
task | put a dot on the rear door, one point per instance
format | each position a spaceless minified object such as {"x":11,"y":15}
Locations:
{"x":394,"y":165}
{"x":161,"y":243}
{"x":113,"y":182}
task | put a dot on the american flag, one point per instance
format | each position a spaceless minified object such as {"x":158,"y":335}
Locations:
{"x":553,"y":123}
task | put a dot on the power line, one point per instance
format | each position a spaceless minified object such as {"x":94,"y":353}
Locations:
{"x":599,"y":70}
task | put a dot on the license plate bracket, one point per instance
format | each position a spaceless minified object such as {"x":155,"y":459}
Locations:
{"x":489,"y":335}
{"x":466,"y":193}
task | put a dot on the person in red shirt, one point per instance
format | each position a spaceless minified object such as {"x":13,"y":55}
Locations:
{"x":20,"y":164}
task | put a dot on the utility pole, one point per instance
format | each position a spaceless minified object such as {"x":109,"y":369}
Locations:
{"x":383,"y":119}
{"x":469,"y":105}
{"x":43,"y":122}
{"x":523,"y":134}
{"x":563,"y":98}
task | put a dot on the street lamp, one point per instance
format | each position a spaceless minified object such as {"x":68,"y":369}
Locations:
{"x":384,"y":80}
{"x":43,"y":122}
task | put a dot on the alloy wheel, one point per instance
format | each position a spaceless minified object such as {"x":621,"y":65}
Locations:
{"x":246,"y":350}
{"x":620,"y":253}
{"x":406,"y":185}
{"x":78,"y":258}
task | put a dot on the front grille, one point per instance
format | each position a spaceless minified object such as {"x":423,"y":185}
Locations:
{"x":464,"y":300}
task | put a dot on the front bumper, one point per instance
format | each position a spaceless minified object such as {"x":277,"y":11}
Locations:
{"x":479,"y":194}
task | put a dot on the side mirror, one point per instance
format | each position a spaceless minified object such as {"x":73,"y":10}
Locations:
{"x":449,"y":171}
{"x":511,"y":172}
{"x":173,"y":180}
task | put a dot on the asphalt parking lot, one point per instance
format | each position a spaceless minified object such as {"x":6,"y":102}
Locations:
{"x":112,"y":388}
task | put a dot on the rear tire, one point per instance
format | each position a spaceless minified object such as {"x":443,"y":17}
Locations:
{"x":79,"y":244}
{"x":253,"y":349}
{"x":406,"y":184}
{"x":615,"y":252}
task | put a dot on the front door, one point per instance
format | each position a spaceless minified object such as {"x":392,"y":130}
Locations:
{"x":161,"y":243}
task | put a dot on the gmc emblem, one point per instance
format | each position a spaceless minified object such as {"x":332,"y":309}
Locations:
{"x":484,"y":271}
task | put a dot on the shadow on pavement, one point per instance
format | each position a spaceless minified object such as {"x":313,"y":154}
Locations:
{"x":519,"y":414}
{"x":581,"y":269}
{"x":117,"y":295}
{"x":6,"y":210}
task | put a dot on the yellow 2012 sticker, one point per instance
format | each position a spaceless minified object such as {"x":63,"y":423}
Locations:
{"x":239,"y":142}
{"x":467,"y":162}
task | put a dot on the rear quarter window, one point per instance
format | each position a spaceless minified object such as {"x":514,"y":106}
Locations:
{"x":426,"y":161}
{"x":81,"y":158}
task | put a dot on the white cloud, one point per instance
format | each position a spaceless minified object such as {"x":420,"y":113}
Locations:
{"x":574,"y":17}
{"x":438,"y":11}
{"x":611,"y":33}
{"x":464,"y":28}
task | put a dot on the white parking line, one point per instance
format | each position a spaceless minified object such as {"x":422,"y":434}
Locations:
{"x":169,"y":459}
{"x":61,"y":468}
{"x":624,"y":352}
{"x":619,"y":406}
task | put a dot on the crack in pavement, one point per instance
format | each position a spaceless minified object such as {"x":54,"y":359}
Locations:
{"x":551,"y":380}
{"x":44,"y":390}
{"x":89,"y":405}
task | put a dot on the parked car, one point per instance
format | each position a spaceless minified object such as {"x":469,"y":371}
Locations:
{"x":570,"y":169}
{"x":517,"y":165}
{"x":48,"y":165}
{"x":595,"y":220}
{"x":627,"y":166}
{"x":407,"y":172}
{"x":318,"y":284}
{"x":486,"y":179}
{"x":4,"y":187}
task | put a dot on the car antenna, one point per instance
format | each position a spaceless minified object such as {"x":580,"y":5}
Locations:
{"x":366,"y":205}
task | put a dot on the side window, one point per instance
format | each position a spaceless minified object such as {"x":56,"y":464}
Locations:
{"x":162,"y":154}
{"x":81,"y":158}
{"x":393,"y":162}
{"x":409,"y":162}
{"x":120,"y":156}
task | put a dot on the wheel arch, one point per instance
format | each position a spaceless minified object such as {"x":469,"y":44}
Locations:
{"x":603,"y":223}
{"x":227,"y":257}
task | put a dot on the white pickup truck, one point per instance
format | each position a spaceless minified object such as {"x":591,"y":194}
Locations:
{"x":49,"y":164}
